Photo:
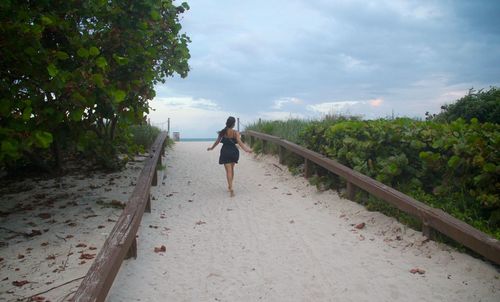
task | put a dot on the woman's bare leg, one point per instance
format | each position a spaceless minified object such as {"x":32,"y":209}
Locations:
{"x":232,"y":178}
{"x":229,"y":176}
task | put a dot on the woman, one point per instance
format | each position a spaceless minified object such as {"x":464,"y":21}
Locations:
{"x":229,"y":153}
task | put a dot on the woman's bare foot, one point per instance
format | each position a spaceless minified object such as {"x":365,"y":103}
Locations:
{"x":231,"y":192}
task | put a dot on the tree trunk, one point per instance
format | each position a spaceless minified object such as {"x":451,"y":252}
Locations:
{"x":113,"y":128}
{"x":56,"y":152}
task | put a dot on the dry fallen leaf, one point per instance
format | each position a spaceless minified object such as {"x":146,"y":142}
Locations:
{"x":200,"y":222}
{"x":38,"y":298}
{"x":360,"y":226}
{"x":20,"y":256}
{"x":20,"y":283}
{"x":87,"y":256}
{"x":160,"y":249}
{"x":44,"y":215}
{"x":417,"y":270}
{"x":51,"y":257}
{"x":92,"y":248}
{"x":81,"y":245}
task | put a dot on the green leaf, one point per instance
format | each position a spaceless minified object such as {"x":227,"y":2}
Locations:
{"x":78,"y":98}
{"x":155,"y":15}
{"x":94,"y":51}
{"x":101,"y":62}
{"x":27,"y":113}
{"x":489,"y":167}
{"x":9,"y":147}
{"x":30,"y":51}
{"x":83,"y":53}
{"x":119,"y":95}
{"x":46,"y":20}
{"x":76,"y":115}
{"x":52,"y":69}
{"x":61,"y":55}
{"x":4,"y":108}
{"x":42,"y":138}
{"x":453,"y":161}
{"x":98,"y":79}
{"x":120,"y":60}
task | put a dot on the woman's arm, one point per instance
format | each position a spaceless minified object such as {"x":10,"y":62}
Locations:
{"x":217,"y":141}
{"x":242,"y":144}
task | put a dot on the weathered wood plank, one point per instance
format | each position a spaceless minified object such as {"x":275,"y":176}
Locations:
{"x":436,"y":219}
{"x":96,"y":284}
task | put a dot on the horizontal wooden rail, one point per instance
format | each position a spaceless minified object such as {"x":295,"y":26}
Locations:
{"x":121,"y":242}
{"x":431,"y":218}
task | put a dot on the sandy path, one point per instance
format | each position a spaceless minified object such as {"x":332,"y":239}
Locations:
{"x":280,"y":239}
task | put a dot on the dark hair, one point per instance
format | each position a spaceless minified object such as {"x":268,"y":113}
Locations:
{"x":229,"y":124}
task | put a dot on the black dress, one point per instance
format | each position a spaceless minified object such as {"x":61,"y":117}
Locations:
{"x":229,"y":153}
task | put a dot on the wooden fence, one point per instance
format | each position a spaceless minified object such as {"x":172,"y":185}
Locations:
{"x":432,"y":219}
{"x":121,"y":243}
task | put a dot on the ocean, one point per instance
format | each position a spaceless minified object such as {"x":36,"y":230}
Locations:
{"x":198,"y":139}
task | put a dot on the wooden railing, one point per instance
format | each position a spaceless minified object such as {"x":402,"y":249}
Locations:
{"x":432,"y":219}
{"x":121,"y":242}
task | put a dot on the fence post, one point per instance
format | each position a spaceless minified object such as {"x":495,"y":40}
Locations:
{"x":155,"y":178}
{"x":282,"y":154}
{"x":426,"y":229}
{"x":307,"y":168}
{"x":132,"y":251}
{"x":264,"y":146}
{"x":148,"y":204}
{"x":350,"y":191}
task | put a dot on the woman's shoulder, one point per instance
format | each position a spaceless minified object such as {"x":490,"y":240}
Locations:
{"x":232,"y":133}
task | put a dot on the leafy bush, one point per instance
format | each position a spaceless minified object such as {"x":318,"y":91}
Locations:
{"x":452,"y":166}
{"x":482,"y":105}
{"x":144,"y":135}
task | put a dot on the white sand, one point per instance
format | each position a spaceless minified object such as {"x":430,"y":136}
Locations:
{"x":280,"y":239}
{"x":71,"y":222}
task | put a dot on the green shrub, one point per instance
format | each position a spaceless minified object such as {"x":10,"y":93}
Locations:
{"x":482,"y":105}
{"x":452,"y":166}
{"x":144,"y":135}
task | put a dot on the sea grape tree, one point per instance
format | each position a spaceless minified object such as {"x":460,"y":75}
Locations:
{"x":75,"y":73}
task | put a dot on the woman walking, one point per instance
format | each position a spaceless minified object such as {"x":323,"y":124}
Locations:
{"x":229,"y":153}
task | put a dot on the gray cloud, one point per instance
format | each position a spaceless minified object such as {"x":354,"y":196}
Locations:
{"x":415,"y":55}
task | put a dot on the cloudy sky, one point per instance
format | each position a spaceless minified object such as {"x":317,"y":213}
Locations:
{"x":277,"y":59}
